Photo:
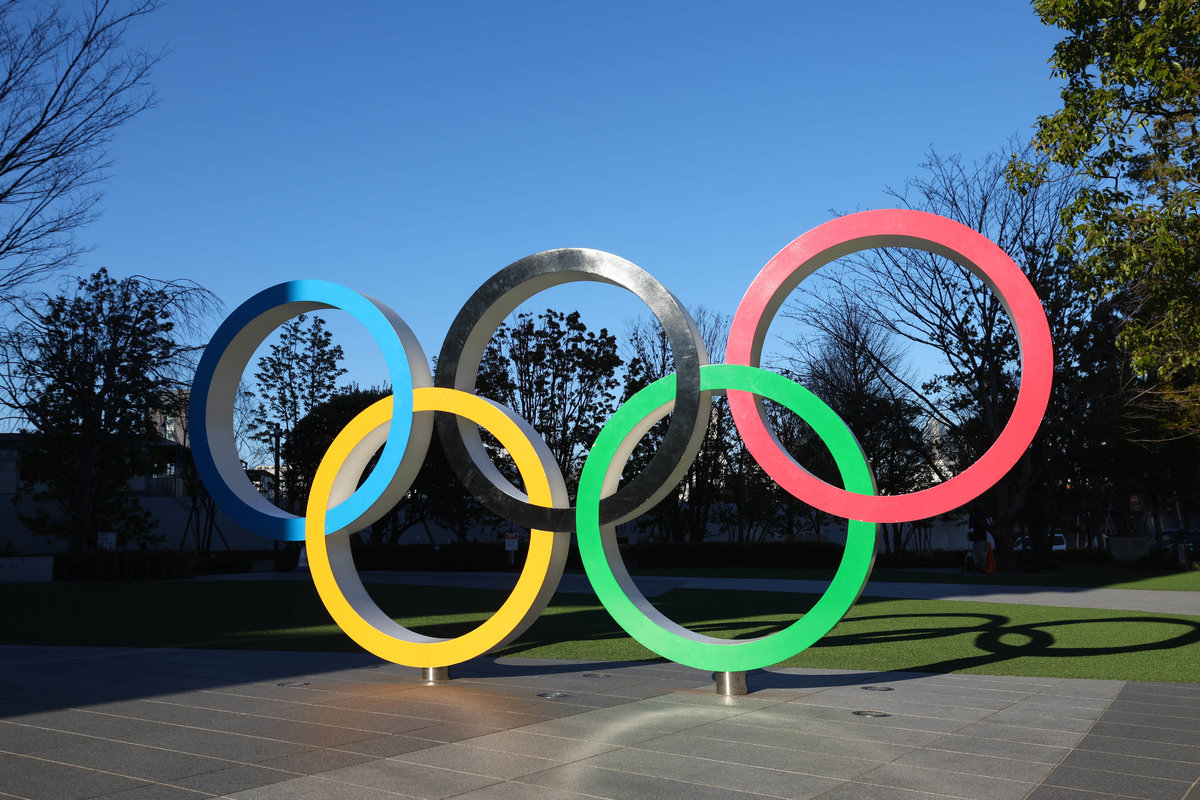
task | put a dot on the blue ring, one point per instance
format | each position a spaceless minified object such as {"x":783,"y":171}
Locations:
{"x":223,"y":363}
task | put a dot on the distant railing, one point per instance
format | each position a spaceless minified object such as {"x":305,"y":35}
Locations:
{"x":163,"y":486}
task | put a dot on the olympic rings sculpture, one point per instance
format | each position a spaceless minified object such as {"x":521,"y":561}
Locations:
{"x":402,"y":425}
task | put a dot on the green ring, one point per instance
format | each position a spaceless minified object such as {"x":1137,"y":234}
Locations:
{"x":617,"y":591}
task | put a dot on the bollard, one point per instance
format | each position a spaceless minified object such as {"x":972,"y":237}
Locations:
{"x":435,"y":674}
{"x":731,"y":684}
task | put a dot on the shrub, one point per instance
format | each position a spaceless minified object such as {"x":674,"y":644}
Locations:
{"x":124,"y":565}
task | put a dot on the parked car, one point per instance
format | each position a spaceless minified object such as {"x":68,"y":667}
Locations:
{"x":1057,"y":542}
{"x":1190,"y":539}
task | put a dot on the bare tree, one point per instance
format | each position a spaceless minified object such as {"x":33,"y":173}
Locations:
{"x":689,"y":512}
{"x":67,"y":83}
{"x":859,"y":368}
{"x":933,"y":303}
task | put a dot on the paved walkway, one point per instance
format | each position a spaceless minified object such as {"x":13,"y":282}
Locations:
{"x":1160,"y":602}
{"x":138,"y":724}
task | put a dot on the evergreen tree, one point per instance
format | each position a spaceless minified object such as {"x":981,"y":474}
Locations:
{"x":88,"y":372}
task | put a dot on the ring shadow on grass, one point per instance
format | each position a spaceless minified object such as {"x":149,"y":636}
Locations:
{"x":994,"y":634}
{"x":576,"y":627}
{"x":923,"y":646}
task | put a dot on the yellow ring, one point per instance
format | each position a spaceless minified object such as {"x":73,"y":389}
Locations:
{"x":332,"y":565}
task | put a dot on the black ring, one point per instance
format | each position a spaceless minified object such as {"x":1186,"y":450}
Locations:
{"x":470,"y":333}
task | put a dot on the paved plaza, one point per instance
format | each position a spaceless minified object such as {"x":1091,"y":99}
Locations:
{"x":156,"y":724}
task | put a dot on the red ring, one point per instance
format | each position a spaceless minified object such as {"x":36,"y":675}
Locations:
{"x":894,"y":228}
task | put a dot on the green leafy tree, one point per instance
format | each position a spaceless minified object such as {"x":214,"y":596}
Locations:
{"x":298,"y":374}
{"x":1128,"y":124}
{"x":67,"y":84}
{"x":436,"y":496}
{"x":558,"y":376}
{"x":87,"y":372}
{"x":312,"y":434}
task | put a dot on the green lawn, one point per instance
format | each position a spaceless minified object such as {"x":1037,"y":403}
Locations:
{"x":913,"y":635}
{"x":1105,"y":578}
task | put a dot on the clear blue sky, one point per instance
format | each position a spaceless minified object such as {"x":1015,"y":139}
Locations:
{"x":410,"y":150}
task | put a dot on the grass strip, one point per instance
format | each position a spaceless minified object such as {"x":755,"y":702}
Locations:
{"x":1107,"y":578}
{"x":912,"y":635}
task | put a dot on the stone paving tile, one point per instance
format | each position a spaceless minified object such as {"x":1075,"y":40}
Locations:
{"x":865,"y":791}
{"x":1001,"y":748}
{"x":479,"y":761}
{"x":316,"y":761}
{"x":20,"y":698}
{"x":218,"y":744}
{"x":401,"y":705}
{"x":1133,"y":765}
{"x":773,"y":756}
{"x":233,"y":779}
{"x":1174,"y":691}
{"x":618,"y":785}
{"x":40,"y":779}
{"x":666,"y":717}
{"x":977,"y":764}
{"x":208,"y":723}
{"x":1164,"y":750}
{"x":223,"y":701}
{"x":18,"y":703}
{"x":157,"y":791}
{"x":25,"y":739}
{"x":1184,"y":722}
{"x":955,"y":784}
{"x":895,"y":705}
{"x":1084,"y":708}
{"x":824,"y":742}
{"x":380,"y":747}
{"x":708,"y":772}
{"x":1140,"y":786}
{"x":1121,"y":758}
{"x":232,"y":723}
{"x":444,"y":732}
{"x":1087,"y":687}
{"x":87,"y":722}
{"x":1136,"y":733}
{"x":1032,"y":717}
{"x":1018,"y":733}
{"x":1045,"y":792}
{"x":896,"y":730}
{"x":521,"y":742}
{"x":408,"y":778}
{"x":616,"y":734}
{"x":520,"y":791}
{"x":708,"y":697}
{"x":903,"y":715}
{"x":354,"y":718}
{"x":134,"y":761}
{"x":578,"y":702}
{"x":313,"y":788}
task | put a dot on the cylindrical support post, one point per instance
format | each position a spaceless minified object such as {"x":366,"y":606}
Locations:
{"x":435,"y":674}
{"x":731,"y":684}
